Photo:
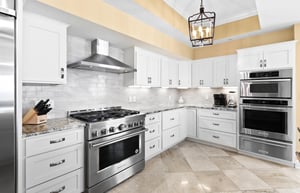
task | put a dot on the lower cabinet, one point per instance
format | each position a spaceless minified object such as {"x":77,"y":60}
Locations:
{"x":152,"y":135}
{"x":69,"y":183}
{"x":170,"y":137}
{"x":152,"y":147}
{"x":219,"y":127}
{"x":56,"y":168}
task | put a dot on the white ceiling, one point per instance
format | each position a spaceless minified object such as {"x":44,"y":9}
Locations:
{"x":226,"y":10}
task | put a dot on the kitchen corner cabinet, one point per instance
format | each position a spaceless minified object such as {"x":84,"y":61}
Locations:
{"x":147,"y":65}
{"x":44,"y":50}
{"x":272,"y":56}
{"x":202,"y":73}
{"x":169,"y":73}
{"x":225,"y":71}
{"x":184,"y":74}
{"x":170,"y":128}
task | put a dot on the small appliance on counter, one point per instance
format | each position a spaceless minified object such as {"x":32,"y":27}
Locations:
{"x":231,"y":100}
{"x":220,"y":100}
{"x":38,"y":114}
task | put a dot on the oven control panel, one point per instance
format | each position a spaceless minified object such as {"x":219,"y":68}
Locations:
{"x":97,"y":130}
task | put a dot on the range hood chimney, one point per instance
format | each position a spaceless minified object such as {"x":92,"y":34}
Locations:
{"x":101,"y":61}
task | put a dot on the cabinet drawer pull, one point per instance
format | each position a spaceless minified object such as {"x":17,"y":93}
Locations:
{"x":57,"y":163}
{"x":217,"y":114}
{"x":216,"y":137}
{"x":172,"y":135}
{"x":152,"y":131}
{"x":151,"y":147}
{"x":59,"y":190}
{"x":179,"y":82}
{"x":57,"y":141}
{"x":172,"y":119}
{"x":216,"y":124}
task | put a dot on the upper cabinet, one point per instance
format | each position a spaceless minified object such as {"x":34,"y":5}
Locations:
{"x":225,"y":71}
{"x":202,"y":73}
{"x":273,"y":56}
{"x":44,"y":50}
{"x":169,"y":73}
{"x":184,"y":74}
{"x":147,"y":65}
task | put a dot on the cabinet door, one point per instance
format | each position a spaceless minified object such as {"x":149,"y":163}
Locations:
{"x":173,"y":74}
{"x":278,"y":56}
{"x":153,"y":70}
{"x":232,"y":71}
{"x":250,"y":59}
{"x":169,"y":73}
{"x":219,"y":71}
{"x":191,"y":123}
{"x":141,"y":58}
{"x":206,"y":73}
{"x":184,"y":74}
{"x":196,"y":81}
{"x":44,"y":50}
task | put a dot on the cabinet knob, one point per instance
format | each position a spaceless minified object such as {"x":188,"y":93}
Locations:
{"x":179,"y":82}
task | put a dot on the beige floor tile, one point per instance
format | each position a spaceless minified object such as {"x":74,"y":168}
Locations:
{"x":175,"y":163}
{"x":226,"y":163}
{"x":276,"y":179}
{"x":260,"y":191}
{"x":184,"y":183}
{"x":289,"y":190}
{"x":246,"y":180}
{"x":192,"y":151}
{"x":155,"y":165}
{"x":212,"y":151}
{"x":253,"y":163}
{"x":200,"y":163}
{"x":293,"y":173}
{"x":216,"y":181}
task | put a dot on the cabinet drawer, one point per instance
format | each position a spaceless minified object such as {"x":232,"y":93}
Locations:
{"x":222,"y":125}
{"x":153,"y":118}
{"x":152,"y":131}
{"x":225,"y":139}
{"x":170,"y":119}
{"x":170,"y":137}
{"x":217,"y":114}
{"x":50,"y":165}
{"x":280,"y":151}
{"x":42,"y":144}
{"x":152,"y":147}
{"x":70,"y":183}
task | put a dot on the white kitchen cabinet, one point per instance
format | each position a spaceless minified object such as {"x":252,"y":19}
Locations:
{"x":169,"y":73}
{"x":225,"y":71}
{"x":191,"y":122}
{"x":44,"y":50}
{"x":152,"y":135}
{"x":54,"y":162}
{"x":219,"y":127}
{"x":170,"y":137}
{"x":170,"y":119}
{"x":184,"y":74}
{"x":202,"y":73}
{"x":148,"y":66}
{"x":170,"y":128}
{"x":272,"y":56}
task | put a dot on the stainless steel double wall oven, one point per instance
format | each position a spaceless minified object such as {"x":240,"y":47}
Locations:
{"x":266,"y":112}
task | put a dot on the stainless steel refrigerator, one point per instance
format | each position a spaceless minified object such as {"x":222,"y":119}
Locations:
{"x":7,"y":97}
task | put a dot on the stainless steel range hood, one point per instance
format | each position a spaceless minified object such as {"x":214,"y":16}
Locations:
{"x":101,"y":61}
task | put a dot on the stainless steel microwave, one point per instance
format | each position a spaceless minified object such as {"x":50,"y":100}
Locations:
{"x":266,"y":84}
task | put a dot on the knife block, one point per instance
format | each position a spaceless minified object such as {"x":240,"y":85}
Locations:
{"x":32,"y":118}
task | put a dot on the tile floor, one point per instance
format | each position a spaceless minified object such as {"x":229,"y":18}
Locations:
{"x":195,"y":168}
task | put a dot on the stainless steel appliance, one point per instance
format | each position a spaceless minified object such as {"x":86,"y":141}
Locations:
{"x":267,"y":84}
{"x":7,"y":97}
{"x":115,"y":146}
{"x":266,"y":112}
{"x":220,"y":100}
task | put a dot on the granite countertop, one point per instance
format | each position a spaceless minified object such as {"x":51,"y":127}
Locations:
{"x":52,"y":125}
{"x":166,"y":108}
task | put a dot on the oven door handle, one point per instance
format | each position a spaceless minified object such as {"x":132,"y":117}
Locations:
{"x":117,"y":139}
{"x":268,"y":80}
{"x":253,"y":107}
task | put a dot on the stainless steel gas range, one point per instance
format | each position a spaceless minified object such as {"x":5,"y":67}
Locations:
{"x":114,"y":145}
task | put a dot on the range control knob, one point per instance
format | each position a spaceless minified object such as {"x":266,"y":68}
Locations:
{"x":94,"y":133}
{"x":103,"y":131}
{"x":112,"y":129}
{"x":122,"y":127}
{"x":130,"y":125}
{"x":136,"y":124}
{"x":142,"y":122}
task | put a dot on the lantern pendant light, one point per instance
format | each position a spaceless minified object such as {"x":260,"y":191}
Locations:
{"x":202,"y":27}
